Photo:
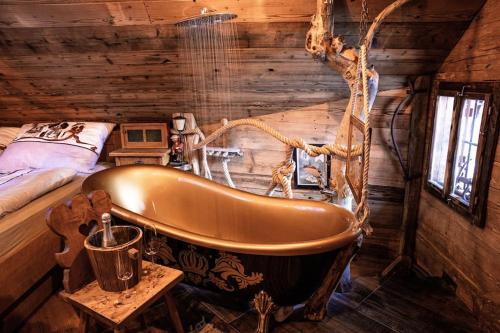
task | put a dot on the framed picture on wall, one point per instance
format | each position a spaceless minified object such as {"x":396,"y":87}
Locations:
{"x":310,"y":171}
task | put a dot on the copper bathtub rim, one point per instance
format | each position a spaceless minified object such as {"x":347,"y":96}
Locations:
{"x":316,"y":246}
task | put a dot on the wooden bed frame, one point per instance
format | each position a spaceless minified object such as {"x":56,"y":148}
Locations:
{"x":28,"y":278}
{"x":29,"y":274}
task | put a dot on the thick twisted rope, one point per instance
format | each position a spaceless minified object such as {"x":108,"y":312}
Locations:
{"x":363,"y":211}
{"x":227,"y":175}
{"x":282,"y":173}
{"x":328,"y":149}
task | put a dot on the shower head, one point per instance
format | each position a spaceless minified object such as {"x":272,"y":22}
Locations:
{"x":206,"y":17}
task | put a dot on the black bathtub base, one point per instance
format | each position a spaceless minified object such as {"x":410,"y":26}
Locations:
{"x":288,"y":280}
{"x":315,"y":307}
{"x":266,"y":282}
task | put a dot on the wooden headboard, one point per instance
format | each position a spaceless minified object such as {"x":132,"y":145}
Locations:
{"x":112,"y":143}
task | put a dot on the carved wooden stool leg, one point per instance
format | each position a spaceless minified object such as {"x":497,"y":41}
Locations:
{"x":84,"y":320}
{"x":315,"y":308}
{"x":264,"y":305}
{"x":174,"y":313}
{"x":142,"y":319}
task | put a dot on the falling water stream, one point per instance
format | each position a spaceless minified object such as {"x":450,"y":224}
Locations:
{"x":210,"y":66}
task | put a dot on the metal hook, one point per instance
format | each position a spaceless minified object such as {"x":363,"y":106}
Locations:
{"x":463,"y":88}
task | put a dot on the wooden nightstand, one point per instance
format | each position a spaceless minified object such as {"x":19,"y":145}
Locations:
{"x":126,"y":156}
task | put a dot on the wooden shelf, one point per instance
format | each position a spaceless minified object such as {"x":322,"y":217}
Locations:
{"x":126,"y":156}
{"x":147,"y":152}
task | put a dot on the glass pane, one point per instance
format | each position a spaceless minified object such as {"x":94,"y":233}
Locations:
{"x":153,"y":135}
{"x":135,"y":136}
{"x":440,"y":139}
{"x":465,"y":157}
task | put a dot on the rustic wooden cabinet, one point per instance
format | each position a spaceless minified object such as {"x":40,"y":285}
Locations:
{"x":126,"y":156}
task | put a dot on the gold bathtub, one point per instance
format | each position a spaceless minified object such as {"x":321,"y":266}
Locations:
{"x":231,"y":241}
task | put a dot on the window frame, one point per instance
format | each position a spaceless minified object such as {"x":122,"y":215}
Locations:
{"x":432,"y":187}
{"x":485,"y":156}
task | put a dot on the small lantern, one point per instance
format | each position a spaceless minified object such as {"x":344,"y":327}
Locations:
{"x":179,"y":123}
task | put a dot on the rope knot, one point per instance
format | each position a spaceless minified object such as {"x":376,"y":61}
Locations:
{"x":363,"y":212}
{"x":284,"y":169}
{"x":281,"y":175}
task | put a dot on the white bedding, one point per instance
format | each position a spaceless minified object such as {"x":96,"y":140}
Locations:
{"x":23,"y":186}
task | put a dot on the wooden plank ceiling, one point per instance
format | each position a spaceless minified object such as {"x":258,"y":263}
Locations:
{"x":118,"y":60}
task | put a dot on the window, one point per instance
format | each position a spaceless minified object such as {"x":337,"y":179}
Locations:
{"x":464,"y":164}
{"x":462,"y":147}
{"x":441,"y":139}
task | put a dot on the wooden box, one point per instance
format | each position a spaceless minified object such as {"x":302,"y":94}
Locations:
{"x":144,"y":135}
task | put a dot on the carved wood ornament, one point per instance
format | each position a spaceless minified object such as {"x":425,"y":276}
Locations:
{"x":324,"y":46}
{"x":73,"y":222}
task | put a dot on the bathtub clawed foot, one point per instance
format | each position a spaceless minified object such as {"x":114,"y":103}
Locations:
{"x":265,"y":307}
{"x":315,"y":308}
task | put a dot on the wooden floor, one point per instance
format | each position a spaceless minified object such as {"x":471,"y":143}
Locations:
{"x":400,"y":304}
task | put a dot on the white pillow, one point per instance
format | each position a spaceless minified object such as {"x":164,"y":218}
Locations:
{"x":7,"y":134}
{"x":75,"y":145}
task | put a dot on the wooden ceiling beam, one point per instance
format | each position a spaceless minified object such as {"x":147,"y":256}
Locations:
{"x":172,"y":58}
{"x":56,"y":13}
{"x":112,"y":39}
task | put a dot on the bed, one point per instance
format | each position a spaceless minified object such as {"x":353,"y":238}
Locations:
{"x":24,"y":236}
{"x":43,"y":165}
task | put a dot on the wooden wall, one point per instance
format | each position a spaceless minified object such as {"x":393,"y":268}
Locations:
{"x":446,"y":242}
{"x":118,"y":61}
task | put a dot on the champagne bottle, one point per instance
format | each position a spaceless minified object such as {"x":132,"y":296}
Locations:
{"x":108,"y":240}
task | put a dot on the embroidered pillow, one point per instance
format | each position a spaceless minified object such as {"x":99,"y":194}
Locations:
{"x":7,"y":134}
{"x":75,"y":145}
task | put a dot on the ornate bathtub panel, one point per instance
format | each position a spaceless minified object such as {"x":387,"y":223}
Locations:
{"x":288,"y":279}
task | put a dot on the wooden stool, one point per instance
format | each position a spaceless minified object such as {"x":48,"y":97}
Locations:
{"x":114,"y":309}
